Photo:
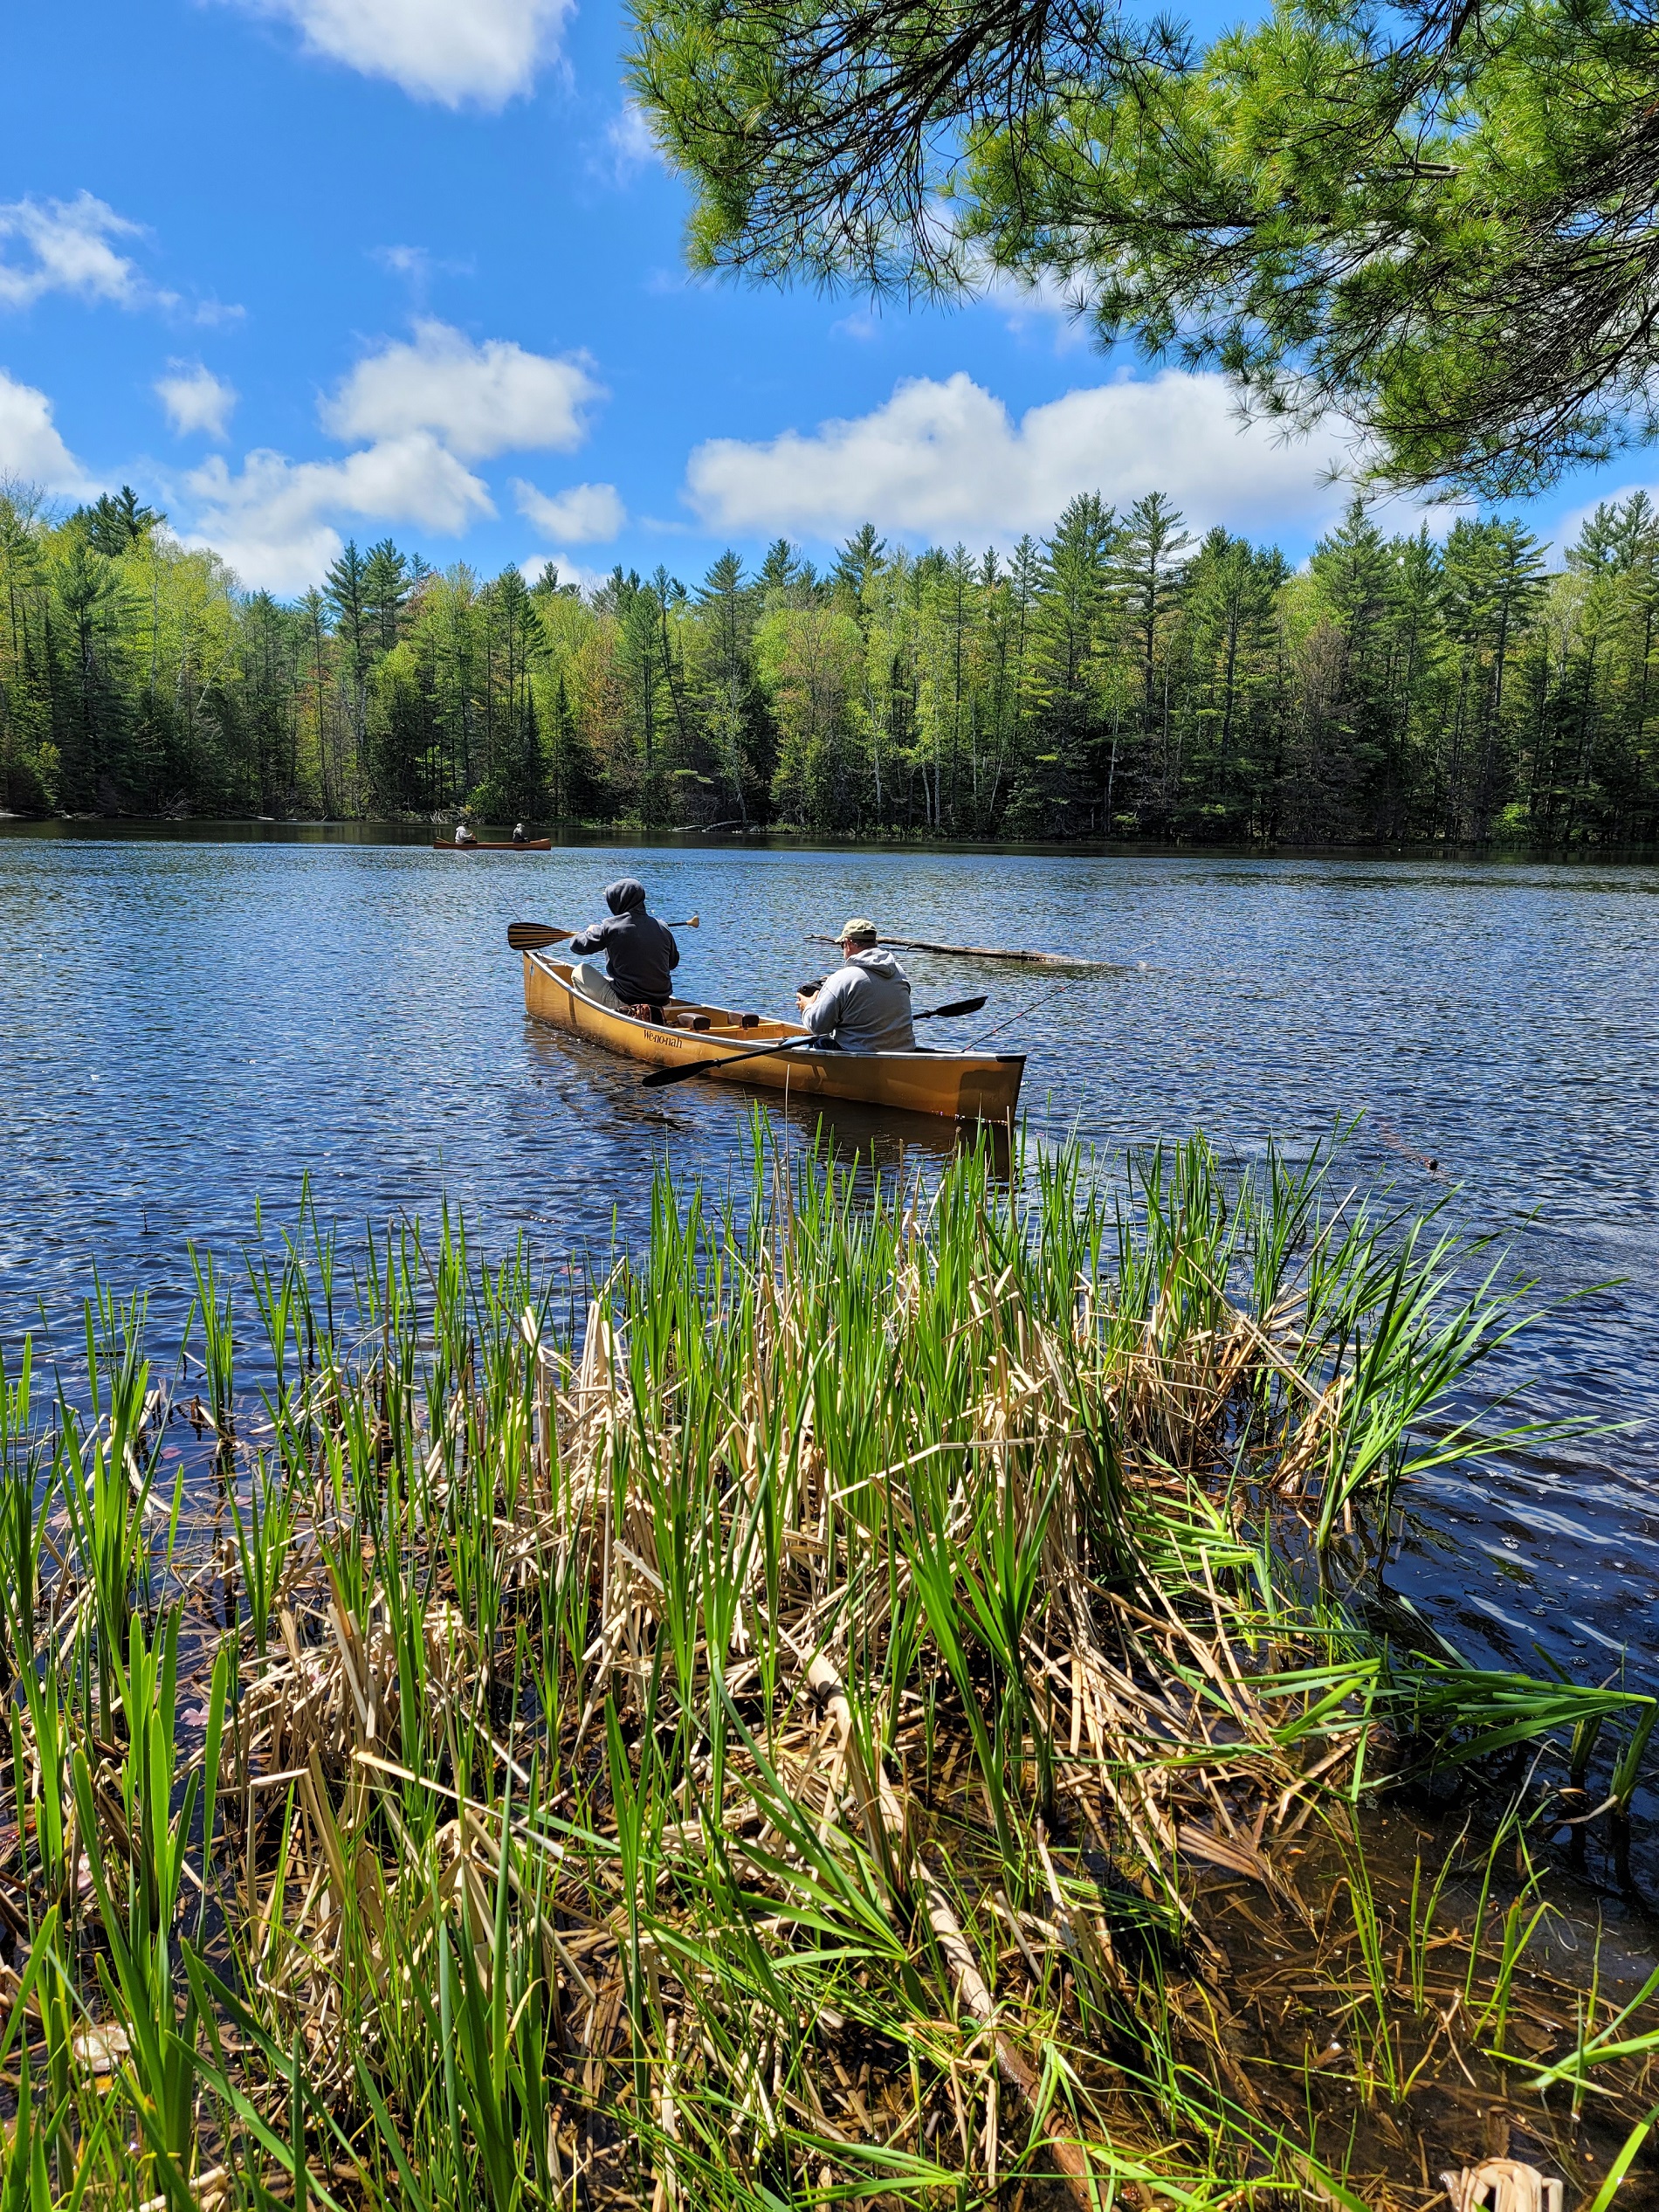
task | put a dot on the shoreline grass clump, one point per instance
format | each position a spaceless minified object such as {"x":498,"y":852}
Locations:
{"x":871,"y":1704}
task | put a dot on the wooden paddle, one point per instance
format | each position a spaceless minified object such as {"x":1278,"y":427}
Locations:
{"x":659,"y":1077}
{"x":536,"y":936}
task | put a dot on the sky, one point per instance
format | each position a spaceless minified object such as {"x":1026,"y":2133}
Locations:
{"x":301,"y":270}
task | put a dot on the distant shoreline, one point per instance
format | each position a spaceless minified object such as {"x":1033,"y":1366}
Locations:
{"x":373,"y":829}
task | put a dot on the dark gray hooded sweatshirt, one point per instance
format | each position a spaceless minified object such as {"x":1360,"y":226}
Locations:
{"x":639,"y":953}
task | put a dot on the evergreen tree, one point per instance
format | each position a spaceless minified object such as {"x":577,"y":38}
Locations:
{"x":385,"y":589}
{"x":724,"y":684}
{"x":114,"y":525}
{"x":1072,"y":780}
{"x":1113,"y":680}
{"x":1148,"y":567}
{"x":88,"y":602}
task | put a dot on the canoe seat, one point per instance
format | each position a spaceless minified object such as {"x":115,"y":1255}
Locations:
{"x":688,"y":1021}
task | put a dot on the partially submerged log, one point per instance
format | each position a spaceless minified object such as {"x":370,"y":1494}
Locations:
{"x":984,"y":952}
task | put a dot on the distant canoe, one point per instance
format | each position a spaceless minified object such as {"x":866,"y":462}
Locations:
{"x":968,"y":1086}
{"x":488,"y":844}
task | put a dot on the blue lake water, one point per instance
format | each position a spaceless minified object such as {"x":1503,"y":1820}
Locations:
{"x":190,"y":1022}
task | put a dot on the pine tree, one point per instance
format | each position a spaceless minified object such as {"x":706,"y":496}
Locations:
{"x":1148,"y":567}
{"x":723,"y":678}
{"x":1491,"y":575}
{"x":346,"y":592}
{"x":114,"y":525}
{"x":1072,"y":779}
{"x":1232,"y":664}
{"x":385,"y":589}
{"x":87,"y":597}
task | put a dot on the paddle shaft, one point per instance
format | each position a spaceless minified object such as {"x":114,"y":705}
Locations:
{"x":660,"y":1078}
{"x":536,"y":936}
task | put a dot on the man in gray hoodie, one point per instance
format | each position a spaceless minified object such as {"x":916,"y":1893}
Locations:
{"x":865,"y":1006}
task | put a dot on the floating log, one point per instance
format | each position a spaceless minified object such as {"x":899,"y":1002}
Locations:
{"x":983,"y":952}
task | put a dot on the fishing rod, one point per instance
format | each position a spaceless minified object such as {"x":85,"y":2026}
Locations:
{"x":1071,"y":984}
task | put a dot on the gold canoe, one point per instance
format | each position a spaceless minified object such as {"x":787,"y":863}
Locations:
{"x":968,"y":1086}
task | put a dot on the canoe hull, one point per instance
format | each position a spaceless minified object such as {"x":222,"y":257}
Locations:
{"x":488,"y":844}
{"x":964,"y":1087}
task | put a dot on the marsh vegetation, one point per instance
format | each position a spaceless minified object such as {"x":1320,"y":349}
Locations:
{"x":864,"y":1699}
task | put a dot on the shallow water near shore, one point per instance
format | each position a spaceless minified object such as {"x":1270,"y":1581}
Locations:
{"x":191,"y":1024}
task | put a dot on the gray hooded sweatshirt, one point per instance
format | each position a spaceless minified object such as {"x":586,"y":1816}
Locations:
{"x":866,"y":1004}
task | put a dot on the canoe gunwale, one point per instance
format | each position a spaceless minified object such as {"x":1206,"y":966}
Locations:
{"x":958,"y":1085}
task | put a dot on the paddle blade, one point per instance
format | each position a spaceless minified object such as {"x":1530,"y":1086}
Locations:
{"x":534,"y":936}
{"x":944,"y":1013}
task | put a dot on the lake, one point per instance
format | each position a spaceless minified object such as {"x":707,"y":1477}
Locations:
{"x":192,"y":1021}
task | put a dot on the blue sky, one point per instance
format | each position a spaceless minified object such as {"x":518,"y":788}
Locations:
{"x":322,"y":268}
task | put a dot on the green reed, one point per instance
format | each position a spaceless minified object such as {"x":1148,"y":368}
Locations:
{"x":761,"y":1746}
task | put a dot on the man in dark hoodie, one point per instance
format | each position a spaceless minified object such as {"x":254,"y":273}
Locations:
{"x":639,"y":955}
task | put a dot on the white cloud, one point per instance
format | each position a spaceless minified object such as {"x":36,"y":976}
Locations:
{"x":479,"y":400}
{"x":586,"y":514}
{"x":481,"y":51}
{"x":946,"y":459}
{"x":632,"y":148}
{"x":586,"y":580}
{"x":66,"y":247}
{"x":271,"y":522}
{"x":1562,"y":529}
{"x":31,"y":450}
{"x":196,"y":400}
{"x":416,"y":266}
{"x":1044,"y":307}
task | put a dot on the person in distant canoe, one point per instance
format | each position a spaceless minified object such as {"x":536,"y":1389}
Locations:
{"x":640,"y":955}
{"x":465,"y":833}
{"x":519,"y":834}
{"x":865,"y":1006}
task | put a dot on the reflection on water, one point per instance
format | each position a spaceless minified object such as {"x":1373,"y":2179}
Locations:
{"x":870,"y":1144}
{"x":189,"y":1023}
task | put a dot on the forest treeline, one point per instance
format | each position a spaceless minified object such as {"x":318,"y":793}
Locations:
{"x":1120,"y":678}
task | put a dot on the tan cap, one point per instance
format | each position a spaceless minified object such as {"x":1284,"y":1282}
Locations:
{"x":857,"y":931}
